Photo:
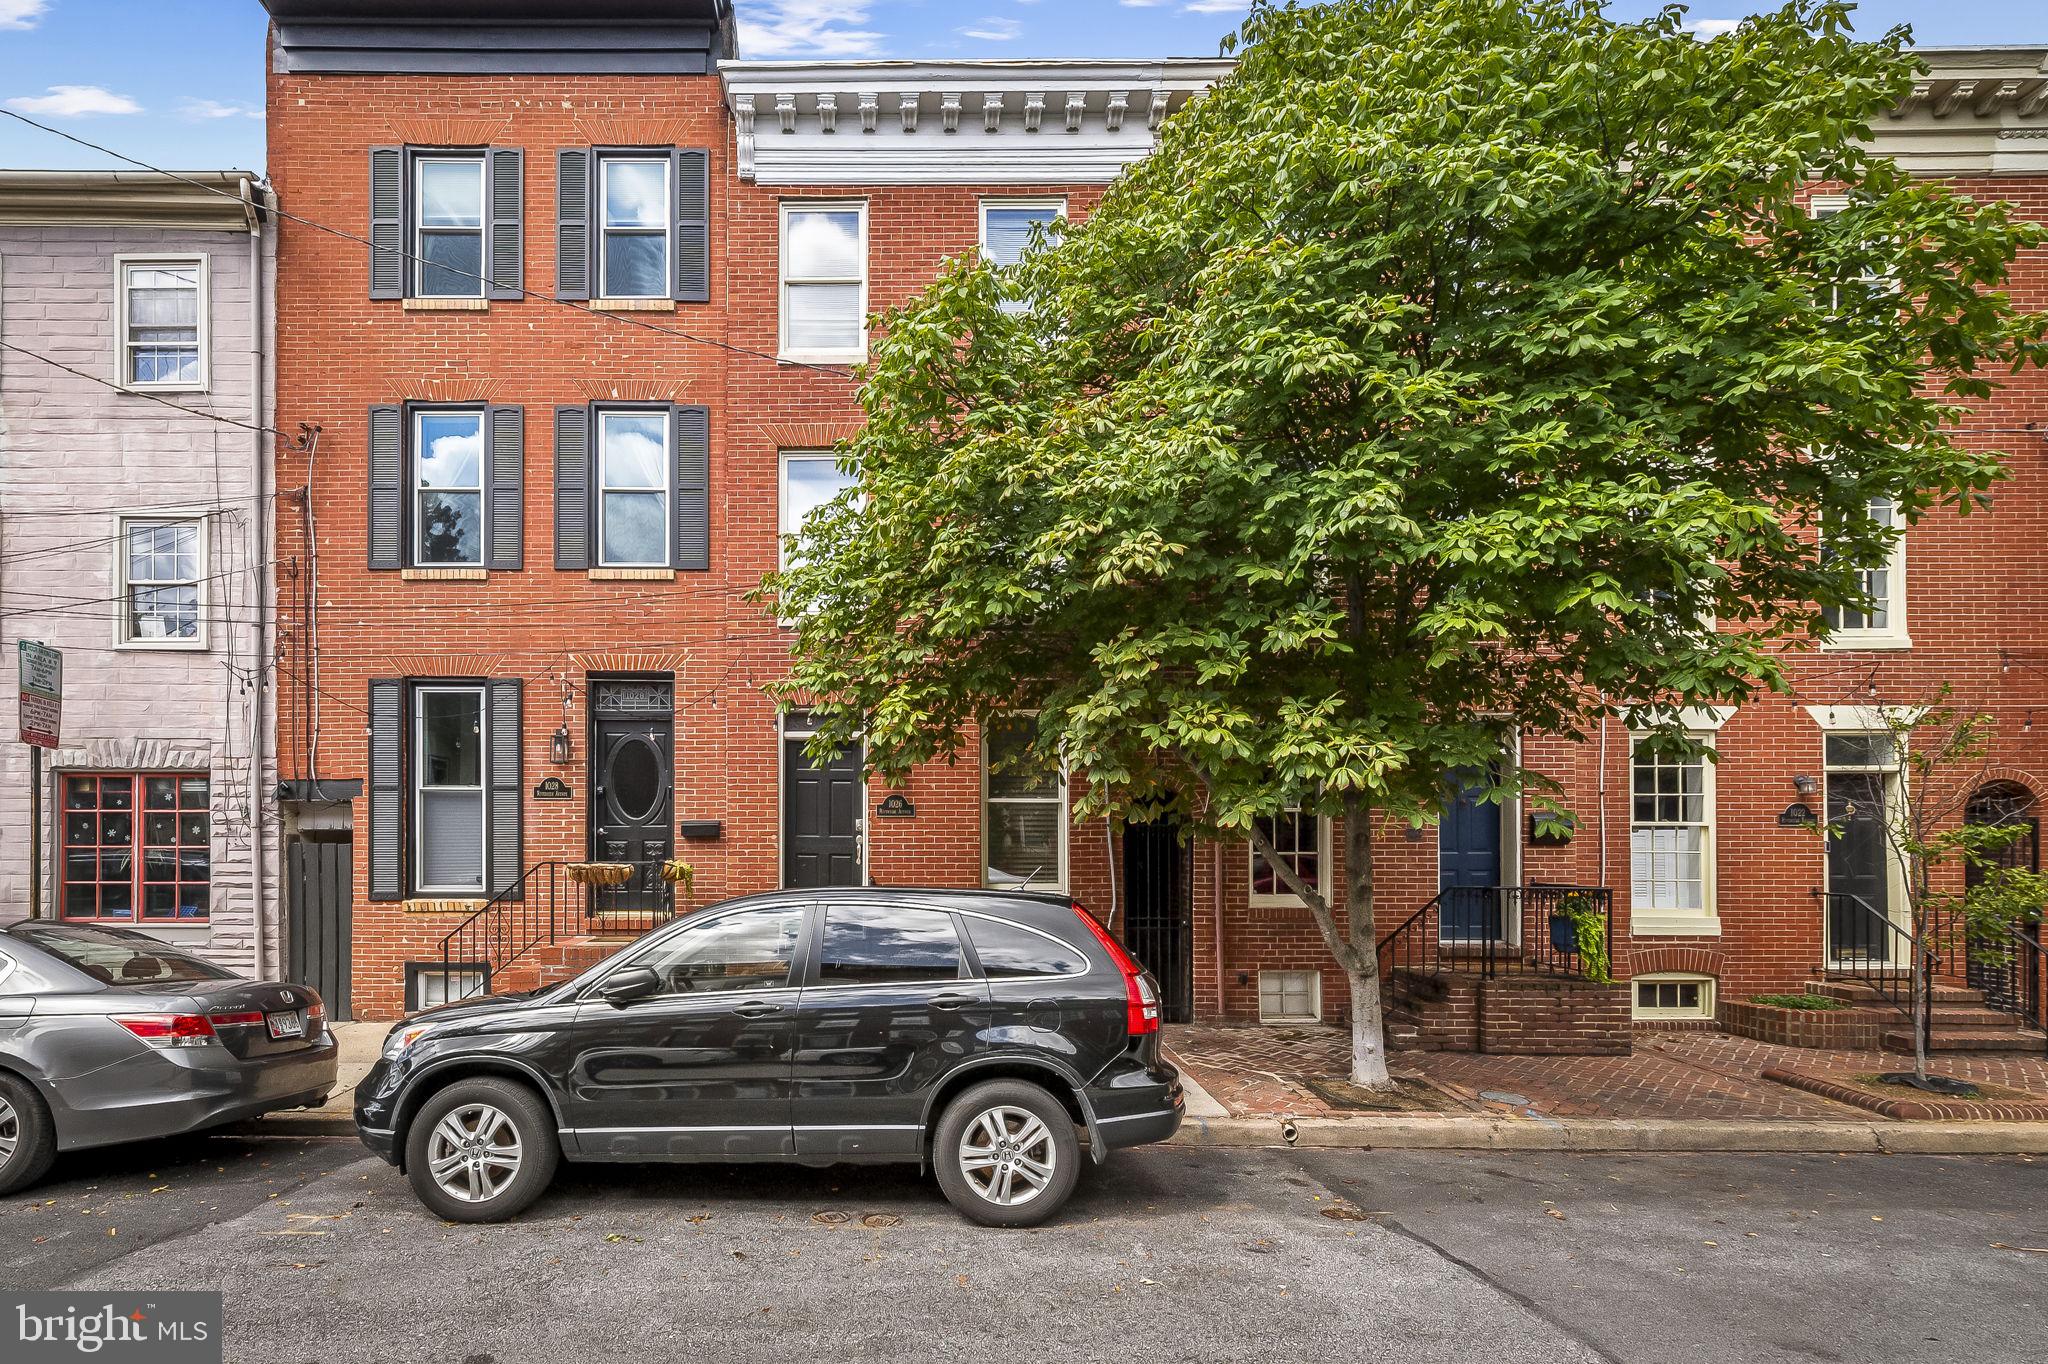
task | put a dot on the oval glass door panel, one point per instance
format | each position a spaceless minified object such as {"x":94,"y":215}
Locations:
{"x":633,"y":781}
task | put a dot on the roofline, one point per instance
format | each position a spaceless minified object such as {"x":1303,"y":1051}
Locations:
{"x":204,"y":200}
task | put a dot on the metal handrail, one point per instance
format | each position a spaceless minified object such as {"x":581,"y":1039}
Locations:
{"x":538,"y":910}
{"x":1513,"y":934}
{"x":1884,"y":977}
{"x":2021,"y":973}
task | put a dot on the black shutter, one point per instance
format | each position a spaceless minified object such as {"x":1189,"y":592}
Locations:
{"x":572,"y":487}
{"x":505,"y":480}
{"x":387,"y":789}
{"x":692,"y":244}
{"x":503,"y":867}
{"x":506,"y":270}
{"x":693,"y":488}
{"x":387,"y":222}
{"x":572,"y":222}
{"x":387,"y":487}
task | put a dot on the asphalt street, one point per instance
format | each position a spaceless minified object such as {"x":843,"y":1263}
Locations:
{"x":1165,"y":1253}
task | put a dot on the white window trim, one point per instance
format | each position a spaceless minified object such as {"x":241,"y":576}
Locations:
{"x":783,"y":530}
{"x":1041,"y":882}
{"x":414,"y":455}
{"x":783,"y":349}
{"x":788,"y":728}
{"x":1706,"y":1012}
{"x":1893,"y":634}
{"x":1839,"y":721}
{"x":419,"y":229}
{"x":666,"y":487}
{"x":482,"y":788}
{"x":1287,"y":899}
{"x":1056,"y":203}
{"x":1315,"y":987}
{"x":665,"y":230}
{"x":122,"y":377}
{"x":1705,"y":922}
{"x":122,"y":639}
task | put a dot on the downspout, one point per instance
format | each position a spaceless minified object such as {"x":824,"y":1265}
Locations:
{"x":259,"y":519}
{"x":1601,"y":805}
{"x":1216,"y":909}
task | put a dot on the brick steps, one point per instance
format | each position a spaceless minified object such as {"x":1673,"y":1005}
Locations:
{"x":2009,"y":1039}
{"x":1855,"y":992}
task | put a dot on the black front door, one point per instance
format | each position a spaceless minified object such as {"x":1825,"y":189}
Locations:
{"x":1859,"y":883}
{"x":1469,"y":863}
{"x":632,"y":785}
{"x":821,"y":807}
{"x":1158,"y":925}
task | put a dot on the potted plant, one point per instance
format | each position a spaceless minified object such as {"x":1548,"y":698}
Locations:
{"x":1578,"y":926}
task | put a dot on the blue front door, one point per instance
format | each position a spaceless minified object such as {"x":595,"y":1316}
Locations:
{"x":1468,"y":863}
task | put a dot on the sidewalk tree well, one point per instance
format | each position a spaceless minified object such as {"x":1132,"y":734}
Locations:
{"x":1450,"y":369}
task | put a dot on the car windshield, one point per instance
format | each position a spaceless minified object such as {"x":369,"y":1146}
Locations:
{"x":119,"y":959}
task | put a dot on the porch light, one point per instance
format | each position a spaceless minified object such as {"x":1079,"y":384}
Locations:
{"x":561,"y":747}
{"x":1805,"y":785}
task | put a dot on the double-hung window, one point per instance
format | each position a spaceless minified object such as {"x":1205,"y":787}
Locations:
{"x":1297,"y":837}
{"x":448,"y":238}
{"x":1671,"y":839}
{"x":162,"y":566}
{"x":810,"y":479}
{"x":1007,"y":228}
{"x":162,"y":311}
{"x":1883,"y":621}
{"x":633,"y":476}
{"x":448,"y":789}
{"x":1024,"y":811}
{"x":634,"y":226}
{"x":448,"y":487}
{"x":824,"y":280}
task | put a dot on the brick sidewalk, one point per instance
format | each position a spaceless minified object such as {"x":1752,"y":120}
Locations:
{"x":1262,"y":1072}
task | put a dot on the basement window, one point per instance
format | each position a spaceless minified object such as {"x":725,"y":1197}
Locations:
{"x":1290,"y":996}
{"x":428,"y":984}
{"x":1674,"y":997}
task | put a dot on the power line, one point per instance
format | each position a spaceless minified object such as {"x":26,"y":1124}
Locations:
{"x":157,"y":398}
{"x":410,"y":258}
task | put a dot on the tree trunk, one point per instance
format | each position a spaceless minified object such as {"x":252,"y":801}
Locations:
{"x":1923,"y":1005}
{"x":1362,"y":963}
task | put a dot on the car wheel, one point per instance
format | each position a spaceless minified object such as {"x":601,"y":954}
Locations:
{"x":481,"y":1150}
{"x":28,"y":1143}
{"x":1006,"y":1154}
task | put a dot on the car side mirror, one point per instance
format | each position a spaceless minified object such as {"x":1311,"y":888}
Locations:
{"x":635,"y":982}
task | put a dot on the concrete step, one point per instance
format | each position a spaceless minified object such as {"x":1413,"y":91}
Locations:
{"x":1971,"y":1039}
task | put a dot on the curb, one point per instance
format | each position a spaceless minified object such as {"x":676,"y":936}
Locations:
{"x":296,"y":1125}
{"x":1457,"y":1133}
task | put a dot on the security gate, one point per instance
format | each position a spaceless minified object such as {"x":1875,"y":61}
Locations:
{"x":1158,"y":925}
{"x":319,"y":895}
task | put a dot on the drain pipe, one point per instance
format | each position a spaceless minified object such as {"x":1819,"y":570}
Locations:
{"x":259,"y":520}
{"x":1109,"y":849}
{"x":1601,"y":800}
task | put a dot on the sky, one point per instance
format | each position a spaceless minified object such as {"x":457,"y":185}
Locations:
{"x":181,"y":84}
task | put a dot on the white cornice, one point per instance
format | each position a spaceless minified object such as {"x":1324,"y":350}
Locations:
{"x":1978,"y":111}
{"x":1028,"y":122}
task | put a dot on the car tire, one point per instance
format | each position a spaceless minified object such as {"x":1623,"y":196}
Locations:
{"x":27,"y":1137}
{"x":1006,"y":1154}
{"x":481,"y":1150}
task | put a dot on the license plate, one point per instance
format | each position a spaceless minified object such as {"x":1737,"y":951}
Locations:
{"x":286,"y":1025}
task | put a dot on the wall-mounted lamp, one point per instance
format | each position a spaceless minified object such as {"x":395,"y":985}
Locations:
{"x":563,"y":752}
{"x":1805,"y":785}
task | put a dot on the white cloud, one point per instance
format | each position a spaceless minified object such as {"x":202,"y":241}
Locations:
{"x":1712,"y":28}
{"x":1214,"y":7}
{"x":993,"y":30}
{"x":808,"y":28}
{"x":203,"y":109}
{"x":1140,"y":4}
{"x":75,"y":101}
{"x":21,"y":13}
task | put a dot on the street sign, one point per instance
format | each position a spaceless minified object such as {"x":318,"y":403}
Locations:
{"x":42,"y":694}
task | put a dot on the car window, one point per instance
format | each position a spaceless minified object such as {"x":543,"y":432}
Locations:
{"x":116,"y":958}
{"x":885,"y":945}
{"x":1007,"y":950}
{"x":746,"y":951}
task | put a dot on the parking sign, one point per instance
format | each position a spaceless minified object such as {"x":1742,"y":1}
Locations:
{"x":42,"y":693}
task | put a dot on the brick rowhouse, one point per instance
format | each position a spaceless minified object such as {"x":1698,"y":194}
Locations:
{"x":906,"y":159}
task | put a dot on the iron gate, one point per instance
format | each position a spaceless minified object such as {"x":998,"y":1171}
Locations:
{"x":1158,"y":925}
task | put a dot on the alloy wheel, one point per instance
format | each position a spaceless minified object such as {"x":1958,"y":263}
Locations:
{"x":10,"y":1130}
{"x":473,"y":1152}
{"x":1008,"y":1155}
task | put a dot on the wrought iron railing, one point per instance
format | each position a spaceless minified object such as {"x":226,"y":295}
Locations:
{"x":1865,"y":946}
{"x":558,"y":901}
{"x":2010,"y":966}
{"x":1499,"y":931}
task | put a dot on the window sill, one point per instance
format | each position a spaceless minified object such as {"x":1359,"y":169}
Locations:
{"x":633,"y":305}
{"x":154,"y":389}
{"x":441,"y":904}
{"x":445,"y":305}
{"x":823,"y":357}
{"x":1279,"y":901}
{"x":1847,"y":643}
{"x":161,"y":646}
{"x":443,"y":575}
{"x":1674,"y":926}
{"x":631,"y":575}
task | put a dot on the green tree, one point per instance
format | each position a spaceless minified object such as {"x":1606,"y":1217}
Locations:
{"x":1449,"y":368}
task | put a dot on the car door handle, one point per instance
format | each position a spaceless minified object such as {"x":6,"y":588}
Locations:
{"x":757,"y":1010}
{"x":952,"y":1001}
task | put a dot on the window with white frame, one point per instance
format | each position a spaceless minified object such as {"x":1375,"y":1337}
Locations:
{"x":448,"y":487}
{"x":1298,"y":840}
{"x":1024,"y":810}
{"x":1290,"y":996}
{"x":163,"y":568}
{"x":163,"y":322}
{"x":635,"y":226}
{"x":1671,"y":833}
{"x":1884,"y":619}
{"x":432,"y":984}
{"x":448,"y":789}
{"x":1007,"y":228}
{"x":633,"y":479}
{"x":824,"y":279}
{"x":448,"y":226}
{"x":1673,"y":996}
{"x":810,"y":479}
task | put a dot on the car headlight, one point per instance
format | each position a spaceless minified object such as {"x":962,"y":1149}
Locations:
{"x":401,"y":1037}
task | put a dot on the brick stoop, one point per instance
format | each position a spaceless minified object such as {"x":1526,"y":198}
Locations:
{"x":1521,"y":1015}
{"x":1961,"y":1020}
{"x":553,"y":962}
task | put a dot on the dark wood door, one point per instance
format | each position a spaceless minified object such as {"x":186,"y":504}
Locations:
{"x":632,"y":806}
{"x":319,"y":893}
{"x":1469,"y":863}
{"x":1158,"y":925}
{"x":821,"y":813}
{"x":1859,"y":881}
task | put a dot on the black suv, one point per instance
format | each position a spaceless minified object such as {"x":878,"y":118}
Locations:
{"x":978,"y":1031}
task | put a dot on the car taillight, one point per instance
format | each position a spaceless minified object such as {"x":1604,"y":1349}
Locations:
{"x":316,"y":1016}
{"x":250,"y":1018}
{"x":171,"y":1030}
{"x":1140,"y":1001}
